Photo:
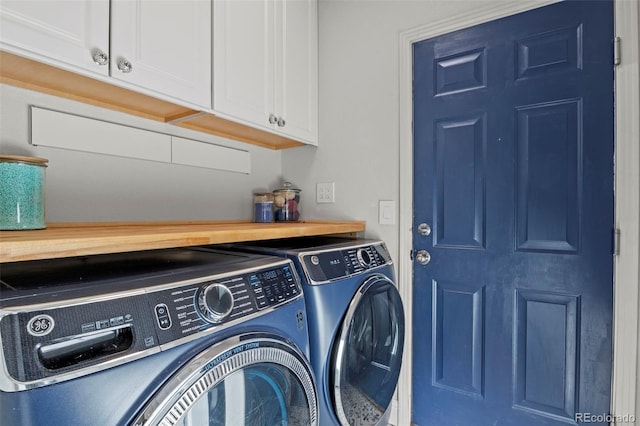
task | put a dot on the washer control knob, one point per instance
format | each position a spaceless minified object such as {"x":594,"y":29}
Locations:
{"x":215,"y":302}
{"x":364,"y":257}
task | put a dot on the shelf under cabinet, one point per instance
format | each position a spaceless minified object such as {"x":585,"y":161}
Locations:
{"x":32,"y":75}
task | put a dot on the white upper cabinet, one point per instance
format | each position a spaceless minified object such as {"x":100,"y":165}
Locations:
{"x":298,"y":103}
{"x":164,"y":46}
{"x":251,"y":63}
{"x":265,"y":65}
{"x":243,"y":60}
{"x":161,"y":47}
{"x":68,"y":32}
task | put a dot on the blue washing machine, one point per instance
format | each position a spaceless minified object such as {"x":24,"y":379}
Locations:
{"x":169,"y":337}
{"x":356,"y":323}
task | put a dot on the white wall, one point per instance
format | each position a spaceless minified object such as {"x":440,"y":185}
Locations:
{"x":91,"y":187}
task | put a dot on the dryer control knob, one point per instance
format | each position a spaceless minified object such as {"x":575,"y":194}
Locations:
{"x":364,"y":258}
{"x":216,"y":302}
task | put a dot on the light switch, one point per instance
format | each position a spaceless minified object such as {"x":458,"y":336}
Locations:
{"x":387,"y":213}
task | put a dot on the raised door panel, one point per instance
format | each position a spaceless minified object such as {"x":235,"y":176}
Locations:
{"x":243,"y":61}
{"x":167,"y":44}
{"x":65,"y":32}
{"x":298,"y":103}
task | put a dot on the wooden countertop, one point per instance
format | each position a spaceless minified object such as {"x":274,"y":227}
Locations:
{"x":78,"y":239}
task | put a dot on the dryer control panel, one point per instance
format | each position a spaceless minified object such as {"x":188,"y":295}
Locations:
{"x":333,"y":264}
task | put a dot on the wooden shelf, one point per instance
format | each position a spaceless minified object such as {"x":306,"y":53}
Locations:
{"x":28,"y":74}
{"x":79,"y":239}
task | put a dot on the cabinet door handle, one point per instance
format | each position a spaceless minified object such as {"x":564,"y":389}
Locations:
{"x":124,"y":65}
{"x":273,"y":119}
{"x":99,"y":57}
{"x":281,"y":122}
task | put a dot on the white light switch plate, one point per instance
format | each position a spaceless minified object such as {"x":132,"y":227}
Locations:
{"x":387,"y":213}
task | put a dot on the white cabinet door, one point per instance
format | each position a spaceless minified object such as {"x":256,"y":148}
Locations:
{"x":265,"y":65}
{"x":243,"y":60}
{"x":164,"y":46}
{"x":298,"y":103}
{"x":66,"y":32}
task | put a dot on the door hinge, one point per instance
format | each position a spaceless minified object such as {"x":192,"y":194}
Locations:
{"x":616,"y":242}
{"x":617,"y":53}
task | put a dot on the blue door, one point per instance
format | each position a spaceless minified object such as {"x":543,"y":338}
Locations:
{"x":513,"y":174}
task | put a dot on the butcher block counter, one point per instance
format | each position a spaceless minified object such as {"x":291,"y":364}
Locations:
{"x":80,"y":239}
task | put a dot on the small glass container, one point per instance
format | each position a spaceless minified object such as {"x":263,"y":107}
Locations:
{"x":286,"y":203}
{"x":22,"y":192}
{"x":263,"y":207}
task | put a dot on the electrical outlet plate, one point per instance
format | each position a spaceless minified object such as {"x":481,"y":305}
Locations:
{"x":325,"y":192}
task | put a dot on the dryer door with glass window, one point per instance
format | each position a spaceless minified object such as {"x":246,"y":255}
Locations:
{"x":247,"y":380}
{"x":368,"y":353}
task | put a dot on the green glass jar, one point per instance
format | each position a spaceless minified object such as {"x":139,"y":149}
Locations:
{"x":22,"y":192}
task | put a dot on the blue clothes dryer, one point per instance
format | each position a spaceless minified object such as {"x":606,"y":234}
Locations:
{"x":356,"y":323}
{"x":171,"y":337}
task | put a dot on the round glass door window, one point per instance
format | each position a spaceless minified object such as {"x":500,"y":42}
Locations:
{"x":368,"y":354}
{"x":254,"y":383}
{"x":262,"y":395}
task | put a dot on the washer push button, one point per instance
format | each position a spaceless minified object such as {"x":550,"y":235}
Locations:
{"x":162,"y":314}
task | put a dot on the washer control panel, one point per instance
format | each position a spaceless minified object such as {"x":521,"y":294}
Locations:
{"x":329,"y":265}
{"x":43,"y":343}
{"x":197,"y":307}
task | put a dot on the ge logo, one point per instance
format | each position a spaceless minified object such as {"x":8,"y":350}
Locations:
{"x":40,"y":325}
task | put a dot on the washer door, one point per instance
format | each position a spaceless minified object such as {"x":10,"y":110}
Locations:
{"x":368,"y":355}
{"x":247,"y":380}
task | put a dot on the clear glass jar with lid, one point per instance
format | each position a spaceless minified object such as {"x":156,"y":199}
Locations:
{"x":286,"y":203}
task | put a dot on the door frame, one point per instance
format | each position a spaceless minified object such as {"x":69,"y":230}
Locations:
{"x":627,"y":197}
